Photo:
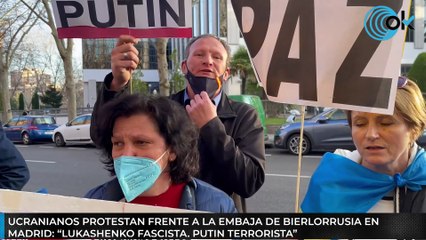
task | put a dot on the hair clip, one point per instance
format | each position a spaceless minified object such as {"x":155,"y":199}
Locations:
{"x":402,"y":81}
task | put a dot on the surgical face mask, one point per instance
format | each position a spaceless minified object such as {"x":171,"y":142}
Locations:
{"x":136,"y":174}
{"x":210,"y":85}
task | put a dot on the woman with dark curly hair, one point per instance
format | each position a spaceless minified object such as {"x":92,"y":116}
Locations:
{"x":154,"y":164}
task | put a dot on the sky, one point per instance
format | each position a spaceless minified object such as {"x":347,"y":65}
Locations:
{"x":45,"y":42}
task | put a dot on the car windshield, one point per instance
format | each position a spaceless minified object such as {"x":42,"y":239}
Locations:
{"x":44,"y":120}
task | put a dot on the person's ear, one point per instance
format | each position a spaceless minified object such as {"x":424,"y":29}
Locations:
{"x":226,"y":74}
{"x":172,"y":156}
{"x":413,"y":137}
{"x":184,"y":67}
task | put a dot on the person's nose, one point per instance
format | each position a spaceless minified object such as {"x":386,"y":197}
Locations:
{"x":129,"y":150}
{"x":372,"y":132}
{"x":208,"y":59}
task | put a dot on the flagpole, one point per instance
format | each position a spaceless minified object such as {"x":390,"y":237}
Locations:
{"x":299,"y":160}
{"x":131,"y":84}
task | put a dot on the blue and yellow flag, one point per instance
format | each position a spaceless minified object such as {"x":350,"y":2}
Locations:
{"x":340,"y":185}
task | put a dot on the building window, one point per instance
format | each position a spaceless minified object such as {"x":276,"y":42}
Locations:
{"x":97,"y":53}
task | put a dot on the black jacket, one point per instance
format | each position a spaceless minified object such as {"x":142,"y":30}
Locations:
{"x":412,"y":201}
{"x":232,"y":150}
{"x":14,"y":173}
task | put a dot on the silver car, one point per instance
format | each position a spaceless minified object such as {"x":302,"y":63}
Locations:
{"x":326,"y":131}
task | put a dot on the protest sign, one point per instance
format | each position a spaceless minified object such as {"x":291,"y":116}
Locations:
{"x":112,"y":18}
{"x":26,"y":202}
{"x":334,"y":53}
{"x":26,"y":215}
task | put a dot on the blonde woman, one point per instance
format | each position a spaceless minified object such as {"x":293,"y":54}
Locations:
{"x":386,"y":173}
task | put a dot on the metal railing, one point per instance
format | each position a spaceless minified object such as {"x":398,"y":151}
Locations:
{"x":55,"y":112}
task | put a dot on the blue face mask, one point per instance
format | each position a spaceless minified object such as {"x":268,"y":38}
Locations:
{"x":136,"y":174}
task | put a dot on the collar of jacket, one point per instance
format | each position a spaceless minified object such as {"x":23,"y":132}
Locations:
{"x":224,"y":109}
{"x":188,"y":196}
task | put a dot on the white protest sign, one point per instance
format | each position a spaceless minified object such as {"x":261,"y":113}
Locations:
{"x":27,"y":202}
{"x":112,"y":18}
{"x":333,"y":53}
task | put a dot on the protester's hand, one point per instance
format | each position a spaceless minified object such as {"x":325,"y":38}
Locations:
{"x":201,"y":109}
{"x":124,"y":60}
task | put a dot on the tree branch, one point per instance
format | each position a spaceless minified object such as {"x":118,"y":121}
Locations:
{"x":33,"y":10}
{"x":60,"y":44}
{"x":11,"y":50}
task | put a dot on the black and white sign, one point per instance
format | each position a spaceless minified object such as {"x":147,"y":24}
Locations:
{"x":112,"y":18}
{"x":317,"y":53}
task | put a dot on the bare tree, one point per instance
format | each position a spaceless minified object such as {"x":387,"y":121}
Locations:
{"x":163,"y":66}
{"x":145,"y":54}
{"x":15,"y":23}
{"x":28,"y":71}
{"x":65,"y":52}
{"x":223,"y":18}
{"x":56,"y":66}
{"x":20,"y":61}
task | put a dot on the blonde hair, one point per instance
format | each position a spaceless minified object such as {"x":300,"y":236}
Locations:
{"x":410,"y":106}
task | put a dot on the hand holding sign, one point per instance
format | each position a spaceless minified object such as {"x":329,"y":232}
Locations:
{"x":124,"y":59}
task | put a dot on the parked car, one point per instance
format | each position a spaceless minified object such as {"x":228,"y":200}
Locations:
{"x":76,"y":131}
{"x":256,"y":103}
{"x":30,"y":128}
{"x":326,"y":131}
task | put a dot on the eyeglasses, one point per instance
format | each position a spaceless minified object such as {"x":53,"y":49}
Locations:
{"x":402,"y":81}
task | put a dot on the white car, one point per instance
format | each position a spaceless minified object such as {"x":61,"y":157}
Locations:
{"x":73,"y":132}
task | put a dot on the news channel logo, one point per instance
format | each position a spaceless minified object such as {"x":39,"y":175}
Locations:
{"x":381,"y":23}
{"x":2,"y":225}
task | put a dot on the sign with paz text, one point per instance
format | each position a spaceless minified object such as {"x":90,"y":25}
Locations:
{"x":112,"y":18}
{"x":318,"y":53}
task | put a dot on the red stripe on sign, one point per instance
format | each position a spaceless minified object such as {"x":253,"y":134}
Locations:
{"x":93,"y":32}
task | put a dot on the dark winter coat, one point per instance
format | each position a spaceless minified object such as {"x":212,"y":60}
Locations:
{"x":14,"y":173}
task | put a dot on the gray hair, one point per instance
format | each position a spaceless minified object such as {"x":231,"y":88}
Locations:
{"x":224,"y":44}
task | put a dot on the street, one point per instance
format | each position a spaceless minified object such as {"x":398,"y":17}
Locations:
{"x":72,"y":171}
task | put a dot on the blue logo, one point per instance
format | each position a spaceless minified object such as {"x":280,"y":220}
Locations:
{"x":381,"y":23}
{"x":1,"y":225}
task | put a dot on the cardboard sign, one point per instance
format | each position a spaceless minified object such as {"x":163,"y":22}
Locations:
{"x":334,"y":53}
{"x":27,"y":202}
{"x":112,"y":18}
